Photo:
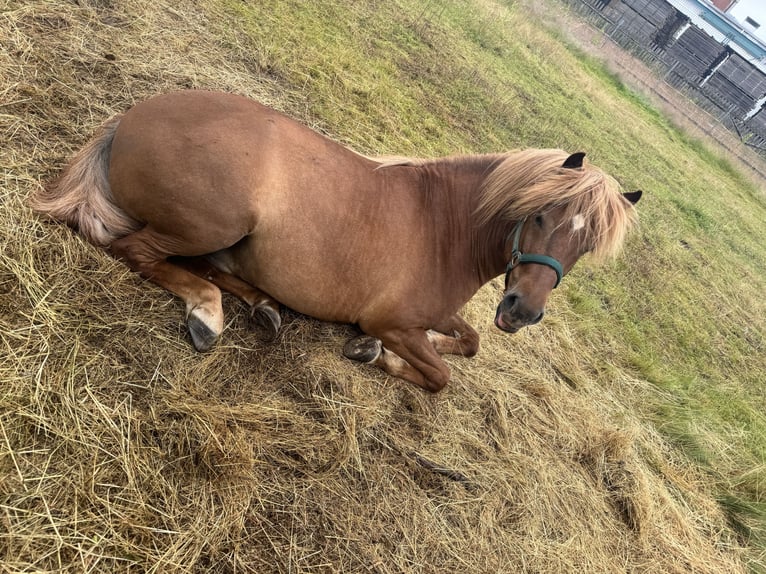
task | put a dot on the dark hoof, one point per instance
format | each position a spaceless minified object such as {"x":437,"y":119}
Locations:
{"x":267,"y":321}
{"x":364,"y":349}
{"x":202,"y":336}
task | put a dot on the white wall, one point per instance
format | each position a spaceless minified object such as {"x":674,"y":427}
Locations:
{"x":755,"y":9}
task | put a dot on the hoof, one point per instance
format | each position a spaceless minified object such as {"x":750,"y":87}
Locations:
{"x":364,"y":349}
{"x":203,"y":336}
{"x":267,"y":320}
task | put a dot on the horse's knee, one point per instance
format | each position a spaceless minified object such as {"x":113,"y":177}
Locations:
{"x":435,"y":383}
{"x":469,"y":339}
{"x":432,"y":379}
{"x":470,"y":344}
{"x":433,"y":376}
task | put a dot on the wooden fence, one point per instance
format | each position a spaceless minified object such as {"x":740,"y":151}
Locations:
{"x":715,"y":77}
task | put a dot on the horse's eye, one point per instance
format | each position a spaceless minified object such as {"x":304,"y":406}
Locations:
{"x":539,"y":220}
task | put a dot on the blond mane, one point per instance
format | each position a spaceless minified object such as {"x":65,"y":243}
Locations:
{"x":532,"y":181}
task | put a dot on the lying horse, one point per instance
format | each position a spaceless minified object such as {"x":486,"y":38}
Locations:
{"x":198,"y":191}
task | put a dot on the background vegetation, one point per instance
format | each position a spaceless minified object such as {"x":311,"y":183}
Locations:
{"x":626,"y":433}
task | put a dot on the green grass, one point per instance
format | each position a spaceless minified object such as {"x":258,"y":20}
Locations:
{"x":683,"y":309}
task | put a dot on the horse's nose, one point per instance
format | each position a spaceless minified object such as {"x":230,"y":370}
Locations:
{"x":514,"y":312}
{"x":522,"y":311}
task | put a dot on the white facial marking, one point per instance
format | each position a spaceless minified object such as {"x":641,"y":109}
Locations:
{"x":578,"y":222}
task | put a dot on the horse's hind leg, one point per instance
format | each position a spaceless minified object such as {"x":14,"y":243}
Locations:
{"x":146,"y":252}
{"x":263,"y":309}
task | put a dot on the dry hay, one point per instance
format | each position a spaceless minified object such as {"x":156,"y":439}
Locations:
{"x":121,"y":449}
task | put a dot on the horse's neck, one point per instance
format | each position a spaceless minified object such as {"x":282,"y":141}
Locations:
{"x":489,"y":250}
{"x":459,"y":181}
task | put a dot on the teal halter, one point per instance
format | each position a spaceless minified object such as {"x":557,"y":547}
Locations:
{"x":517,"y":257}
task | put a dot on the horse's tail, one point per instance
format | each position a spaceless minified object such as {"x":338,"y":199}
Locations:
{"x":81,"y":196}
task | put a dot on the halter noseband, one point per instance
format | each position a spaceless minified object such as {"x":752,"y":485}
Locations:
{"x":517,"y":257}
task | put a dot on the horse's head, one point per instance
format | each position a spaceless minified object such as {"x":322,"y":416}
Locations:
{"x":544,"y":245}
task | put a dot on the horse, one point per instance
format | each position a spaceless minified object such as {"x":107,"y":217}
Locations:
{"x":200,"y":191}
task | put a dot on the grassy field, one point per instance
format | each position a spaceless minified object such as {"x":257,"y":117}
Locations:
{"x":624,"y":433}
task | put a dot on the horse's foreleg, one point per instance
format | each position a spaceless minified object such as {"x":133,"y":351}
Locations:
{"x":454,"y":336}
{"x":263,"y":309}
{"x":143,"y":253}
{"x":409,"y":355}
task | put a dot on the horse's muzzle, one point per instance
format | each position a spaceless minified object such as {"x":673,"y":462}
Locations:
{"x":513,"y":314}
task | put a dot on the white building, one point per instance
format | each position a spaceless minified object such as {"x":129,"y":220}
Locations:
{"x":739,"y":24}
{"x":752,"y":15}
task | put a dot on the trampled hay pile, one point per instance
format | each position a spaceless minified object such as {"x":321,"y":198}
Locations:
{"x":124,"y":450}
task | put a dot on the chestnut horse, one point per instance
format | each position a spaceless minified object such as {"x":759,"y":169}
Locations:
{"x":198,"y":191}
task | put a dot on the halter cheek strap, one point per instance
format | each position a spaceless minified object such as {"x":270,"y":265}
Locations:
{"x":517,"y":257}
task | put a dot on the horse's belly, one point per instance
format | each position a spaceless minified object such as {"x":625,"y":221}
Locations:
{"x":298,"y":275}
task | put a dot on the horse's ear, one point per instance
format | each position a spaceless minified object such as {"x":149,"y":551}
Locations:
{"x":574,"y":161}
{"x":633,"y":196}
